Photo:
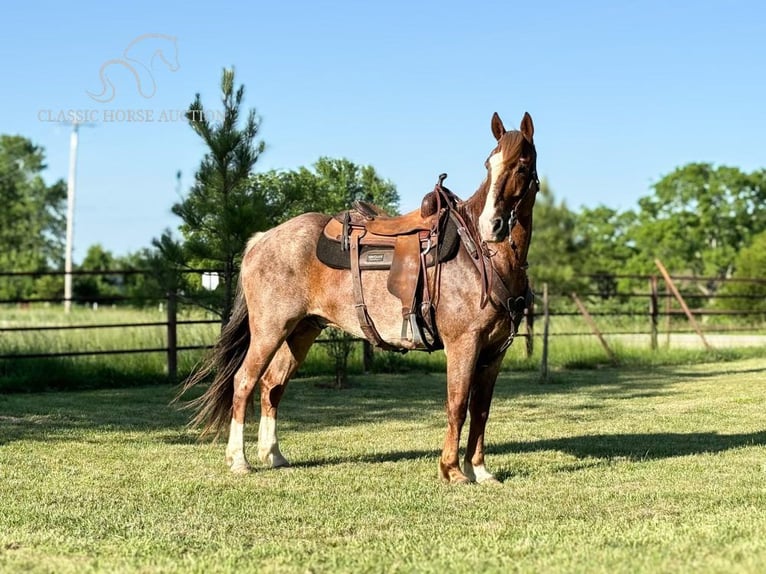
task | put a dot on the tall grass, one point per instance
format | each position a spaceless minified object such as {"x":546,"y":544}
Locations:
{"x":571,"y":345}
{"x":103,"y":370}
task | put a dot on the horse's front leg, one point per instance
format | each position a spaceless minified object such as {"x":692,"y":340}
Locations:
{"x":461,"y":361}
{"x":481,"y":397}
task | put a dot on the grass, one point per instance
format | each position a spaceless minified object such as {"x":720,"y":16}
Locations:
{"x":99,"y":370}
{"x":605,"y":470}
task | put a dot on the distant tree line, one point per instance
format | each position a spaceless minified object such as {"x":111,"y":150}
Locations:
{"x":700,"y":220}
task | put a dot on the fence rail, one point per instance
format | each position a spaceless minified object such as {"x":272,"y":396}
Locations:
{"x":560,"y":306}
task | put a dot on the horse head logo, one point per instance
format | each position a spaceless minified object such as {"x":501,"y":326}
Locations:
{"x":139,"y":58}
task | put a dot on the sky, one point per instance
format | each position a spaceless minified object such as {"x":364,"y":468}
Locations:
{"x":621,"y":93}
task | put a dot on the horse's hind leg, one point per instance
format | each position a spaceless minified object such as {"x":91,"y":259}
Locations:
{"x":273,"y":383}
{"x":258,"y":356}
{"x":265,"y":341}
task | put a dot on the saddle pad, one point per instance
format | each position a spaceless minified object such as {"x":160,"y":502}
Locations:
{"x":376,"y":257}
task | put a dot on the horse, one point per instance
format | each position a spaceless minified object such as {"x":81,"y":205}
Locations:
{"x":286,"y":296}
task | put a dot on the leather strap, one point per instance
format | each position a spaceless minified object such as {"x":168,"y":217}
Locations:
{"x":476,"y":251}
{"x":424,"y":331}
{"x":492,"y":285}
{"x":365,"y":321}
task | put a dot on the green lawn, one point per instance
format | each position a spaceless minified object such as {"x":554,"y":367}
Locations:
{"x":603,"y":471}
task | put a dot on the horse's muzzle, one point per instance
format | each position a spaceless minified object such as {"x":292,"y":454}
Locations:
{"x":499,"y":230}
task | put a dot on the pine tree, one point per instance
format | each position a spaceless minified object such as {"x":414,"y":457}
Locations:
{"x":221,"y":211}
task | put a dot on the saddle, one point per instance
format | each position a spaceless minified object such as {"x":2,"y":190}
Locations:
{"x":366,"y":238}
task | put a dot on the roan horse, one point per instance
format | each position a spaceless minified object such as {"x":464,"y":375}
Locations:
{"x":286,"y":296}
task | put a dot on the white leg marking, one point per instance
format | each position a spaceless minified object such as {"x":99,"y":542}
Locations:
{"x":268,"y":446}
{"x":478,"y":473}
{"x":496,"y":161}
{"x":235,"y":450}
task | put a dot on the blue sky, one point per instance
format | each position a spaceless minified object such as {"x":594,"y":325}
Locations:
{"x":621,"y":93}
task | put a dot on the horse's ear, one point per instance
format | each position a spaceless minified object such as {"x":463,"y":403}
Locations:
{"x":498,"y":129}
{"x":527,"y":127}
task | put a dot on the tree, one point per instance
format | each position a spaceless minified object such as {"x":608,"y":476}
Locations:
{"x":339,"y":346}
{"x":32,"y":217}
{"x":553,"y":253}
{"x":94,"y":287}
{"x":148,"y":288}
{"x":604,"y":238}
{"x":330,"y":187}
{"x":343,"y":182}
{"x":221,"y":211}
{"x":699,"y":217}
{"x":750,"y":263}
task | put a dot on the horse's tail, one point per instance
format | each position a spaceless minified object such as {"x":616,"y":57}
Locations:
{"x":214,"y":407}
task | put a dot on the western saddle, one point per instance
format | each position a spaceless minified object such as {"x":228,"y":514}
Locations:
{"x":366,"y":238}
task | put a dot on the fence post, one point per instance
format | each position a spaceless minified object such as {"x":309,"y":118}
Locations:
{"x":593,"y":327}
{"x":529,"y":315}
{"x":546,"y":324}
{"x":654,"y":310}
{"x":367,"y":357}
{"x":172,"y":338}
{"x":680,"y":299}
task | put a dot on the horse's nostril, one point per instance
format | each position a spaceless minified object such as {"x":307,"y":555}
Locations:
{"x":499,"y":227}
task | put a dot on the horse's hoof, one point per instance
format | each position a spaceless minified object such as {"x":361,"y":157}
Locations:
{"x":238,"y":463}
{"x":273,"y":459}
{"x":241,"y":469}
{"x":460,"y":480}
{"x":491,"y":481}
{"x":277,"y":462}
{"x":479,"y":474}
{"x":452,"y":475}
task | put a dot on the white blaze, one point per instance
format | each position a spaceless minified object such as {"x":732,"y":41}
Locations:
{"x":496,"y":162}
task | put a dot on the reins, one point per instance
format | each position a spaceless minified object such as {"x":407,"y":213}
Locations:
{"x":481,"y":257}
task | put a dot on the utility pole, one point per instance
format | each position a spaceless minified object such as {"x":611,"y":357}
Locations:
{"x":73,"y":143}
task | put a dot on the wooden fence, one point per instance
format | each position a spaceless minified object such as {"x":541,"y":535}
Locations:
{"x":587,"y":304}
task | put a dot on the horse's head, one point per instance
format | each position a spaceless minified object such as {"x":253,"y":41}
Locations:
{"x":511,"y":179}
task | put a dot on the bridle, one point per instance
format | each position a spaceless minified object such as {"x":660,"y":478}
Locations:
{"x":491,"y":280}
{"x":534,"y":184}
{"x":492,"y":285}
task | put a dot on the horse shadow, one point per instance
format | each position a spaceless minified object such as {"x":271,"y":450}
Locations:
{"x":636,"y":447}
{"x":308,"y":407}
